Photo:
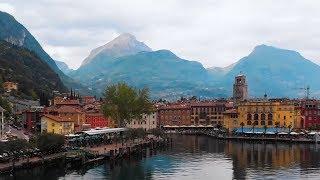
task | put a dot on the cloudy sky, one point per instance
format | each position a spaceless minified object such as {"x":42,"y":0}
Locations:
{"x":216,"y":33}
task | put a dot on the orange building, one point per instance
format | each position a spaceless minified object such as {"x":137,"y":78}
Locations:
{"x":9,"y":86}
{"x":174,"y":115}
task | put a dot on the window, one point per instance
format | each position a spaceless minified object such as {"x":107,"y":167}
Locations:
{"x":284,"y":117}
{"x":249,"y":117}
{"x":263,"y":123}
{"x":256,"y":116}
{"x":248,"y":122}
{"x":263,"y":117}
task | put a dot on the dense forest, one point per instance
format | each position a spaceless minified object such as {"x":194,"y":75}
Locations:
{"x":34,"y":76}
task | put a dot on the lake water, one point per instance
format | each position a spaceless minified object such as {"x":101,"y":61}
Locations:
{"x":200,"y":157}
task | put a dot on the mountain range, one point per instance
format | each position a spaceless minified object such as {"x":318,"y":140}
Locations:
{"x":127,"y":59}
{"x":277,"y":72}
{"x":274,"y":71}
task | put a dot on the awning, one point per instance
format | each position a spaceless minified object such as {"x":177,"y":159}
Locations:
{"x":104,"y":131}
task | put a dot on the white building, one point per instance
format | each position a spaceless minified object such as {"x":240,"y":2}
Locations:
{"x":147,"y":122}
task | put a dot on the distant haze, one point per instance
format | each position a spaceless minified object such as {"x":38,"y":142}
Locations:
{"x":215,"y":33}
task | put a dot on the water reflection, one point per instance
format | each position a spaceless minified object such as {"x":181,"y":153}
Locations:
{"x":200,"y":157}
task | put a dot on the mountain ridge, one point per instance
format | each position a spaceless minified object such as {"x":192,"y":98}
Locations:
{"x":15,"y":33}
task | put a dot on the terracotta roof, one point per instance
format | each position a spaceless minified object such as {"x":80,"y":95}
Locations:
{"x":58,"y":118}
{"x":230,"y":111}
{"x":94,"y":114}
{"x":68,"y":102}
{"x":175,"y":106}
{"x":68,"y":109}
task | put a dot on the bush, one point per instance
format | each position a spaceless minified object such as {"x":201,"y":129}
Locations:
{"x":50,"y":143}
{"x":14,"y":145}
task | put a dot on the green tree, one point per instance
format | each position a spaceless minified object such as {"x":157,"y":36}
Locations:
{"x":50,"y":143}
{"x":123,"y":103}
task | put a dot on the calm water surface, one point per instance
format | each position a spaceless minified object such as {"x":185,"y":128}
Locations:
{"x":200,"y":157}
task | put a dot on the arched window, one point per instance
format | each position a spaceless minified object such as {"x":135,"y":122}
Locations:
{"x":249,"y":117}
{"x":270,"y":116}
{"x":263,"y":117}
{"x":256,"y":116}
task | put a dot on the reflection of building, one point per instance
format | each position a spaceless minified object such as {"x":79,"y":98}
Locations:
{"x":246,"y":154}
{"x":240,"y":88}
{"x":56,"y":124}
{"x":270,"y":113}
{"x":9,"y":86}
{"x":147,"y":122}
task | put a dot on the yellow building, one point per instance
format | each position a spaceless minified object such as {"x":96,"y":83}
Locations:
{"x":230,"y":119}
{"x":57,"y":124}
{"x":270,"y":113}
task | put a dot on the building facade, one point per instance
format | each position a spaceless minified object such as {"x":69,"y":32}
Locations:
{"x":230,"y":119}
{"x":69,"y":112}
{"x":56,"y":124}
{"x":97,"y":120}
{"x":148,"y":122}
{"x":310,"y":113}
{"x":240,"y":88}
{"x":174,"y":115}
{"x":269,"y":113}
{"x":208,"y":112}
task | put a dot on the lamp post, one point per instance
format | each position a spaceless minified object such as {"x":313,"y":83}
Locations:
{"x":2,"y":123}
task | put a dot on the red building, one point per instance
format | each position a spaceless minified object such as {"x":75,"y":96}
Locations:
{"x":310,"y":113}
{"x":97,"y":120}
{"x":174,"y":115}
{"x":32,"y":120}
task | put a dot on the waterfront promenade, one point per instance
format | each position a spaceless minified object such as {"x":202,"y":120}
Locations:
{"x":99,"y":152}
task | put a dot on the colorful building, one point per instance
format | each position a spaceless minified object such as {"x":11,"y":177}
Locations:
{"x":97,"y":120}
{"x":57,"y":124}
{"x":209,"y":112}
{"x":174,"y":115}
{"x":230,"y":119}
{"x":310,"y":113}
{"x":271,"y":113}
{"x":69,"y":112}
{"x":148,"y":121}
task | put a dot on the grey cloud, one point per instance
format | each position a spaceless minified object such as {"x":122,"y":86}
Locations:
{"x":216,"y":33}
